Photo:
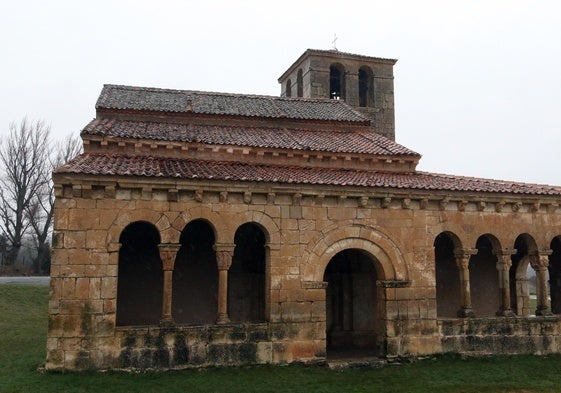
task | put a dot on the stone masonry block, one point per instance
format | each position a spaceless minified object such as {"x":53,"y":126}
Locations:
{"x":96,"y":239}
{"x":82,"y":288}
{"x":108,"y":287}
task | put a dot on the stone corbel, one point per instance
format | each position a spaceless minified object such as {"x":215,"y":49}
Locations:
{"x":406,"y":203}
{"x":363,"y":201}
{"x":247,"y":197}
{"x":386,"y":202}
{"x":499,"y":206}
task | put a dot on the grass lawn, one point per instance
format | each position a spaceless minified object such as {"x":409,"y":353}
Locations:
{"x":23,"y":325}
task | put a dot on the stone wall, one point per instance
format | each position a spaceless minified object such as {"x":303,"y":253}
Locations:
{"x":501,"y":336}
{"x":304,"y":230}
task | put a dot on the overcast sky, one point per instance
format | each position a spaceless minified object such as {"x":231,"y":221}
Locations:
{"x":477,"y":83}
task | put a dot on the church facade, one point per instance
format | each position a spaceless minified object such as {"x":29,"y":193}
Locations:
{"x":202,"y":228}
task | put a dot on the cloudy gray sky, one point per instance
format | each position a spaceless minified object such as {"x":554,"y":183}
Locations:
{"x":478,"y":83}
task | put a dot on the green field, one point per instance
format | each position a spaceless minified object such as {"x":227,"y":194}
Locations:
{"x":23,"y":325}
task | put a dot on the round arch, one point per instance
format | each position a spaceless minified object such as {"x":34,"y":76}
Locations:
{"x":216,"y":222}
{"x":129,"y":216}
{"x":491,"y":239}
{"x":390,"y":262}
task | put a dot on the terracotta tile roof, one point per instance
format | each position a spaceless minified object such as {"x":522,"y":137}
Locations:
{"x":199,"y":102}
{"x":121,"y":165}
{"x":361,"y":141}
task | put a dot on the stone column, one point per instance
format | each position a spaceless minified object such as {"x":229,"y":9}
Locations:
{"x":540,"y":261}
{"x":462,"y":261}
{"x":224,"y":254}
{"x":504,"y":263}
{"x":168,"y":253}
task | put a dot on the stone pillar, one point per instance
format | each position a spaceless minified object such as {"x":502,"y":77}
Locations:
{"x":224,"y":254}
{"x":168,"y":253}
{"x":504,"y":262}
{"x":539,"y":261}
{"x":462,"y":261}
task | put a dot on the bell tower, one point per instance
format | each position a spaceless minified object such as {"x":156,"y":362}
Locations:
{"x":365,"y":83}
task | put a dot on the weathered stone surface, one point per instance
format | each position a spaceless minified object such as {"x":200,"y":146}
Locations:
{"x":403,"y":262}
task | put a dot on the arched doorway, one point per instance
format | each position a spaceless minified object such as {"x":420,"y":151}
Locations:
{"x":195,"y":276}
{"x":140,"y":276}
{"x":353,"y":319}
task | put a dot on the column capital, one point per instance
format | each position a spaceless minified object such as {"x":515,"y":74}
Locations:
{"x":503,"y":257}
{"x":224,"y":247}
{"x":505,"y":252}
{"x":465,"y":252}
{"x":462,"y":256}
{"x":539,"y":259}
{"x":168,"y":252}
{"x":224,"y":254}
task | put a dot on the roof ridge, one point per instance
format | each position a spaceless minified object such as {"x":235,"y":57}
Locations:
{"x":229,"y":94}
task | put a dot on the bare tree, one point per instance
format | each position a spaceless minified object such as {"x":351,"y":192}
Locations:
{"x":24,"y":159}
{"x":40,"y":210}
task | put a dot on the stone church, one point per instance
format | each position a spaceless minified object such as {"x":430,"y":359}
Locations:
{"x":202,"y":228}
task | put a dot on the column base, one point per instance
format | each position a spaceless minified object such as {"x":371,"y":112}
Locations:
{"x":167,"y":322}
{"x":222,"y":319}
{"x":466,"y":313}
{"x":543,"y":313}
{"x":505,"y":313}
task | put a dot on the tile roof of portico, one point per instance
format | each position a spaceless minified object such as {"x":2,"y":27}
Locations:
{"x":362,"y":141}
{"x":117,"y":97}
{"x":147,"y":166}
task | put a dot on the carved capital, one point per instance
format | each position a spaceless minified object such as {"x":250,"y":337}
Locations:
{"x":168,"y":253}
{"x":539,"y":260}
{"x":504,"y":260}
{"x":462,"y":256}
{"x":224,"y":254}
